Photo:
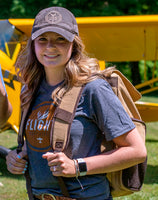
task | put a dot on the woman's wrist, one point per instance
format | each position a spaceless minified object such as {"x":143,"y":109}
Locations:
{"x":76,"y":168}
{"x":80,"y":167}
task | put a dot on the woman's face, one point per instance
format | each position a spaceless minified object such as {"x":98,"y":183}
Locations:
{"x":52,"y":50}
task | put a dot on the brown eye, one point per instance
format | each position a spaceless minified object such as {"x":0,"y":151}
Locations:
{"x":42,"y":39}
{"x":61,"y":39}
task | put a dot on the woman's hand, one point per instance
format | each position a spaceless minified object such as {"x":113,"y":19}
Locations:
{"x":60,"y":164}
{"x":16,"y":164}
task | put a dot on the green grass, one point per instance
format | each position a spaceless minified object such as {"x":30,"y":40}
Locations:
{"x":150,"y":187}
{"x":151,"y":99}
{"x":14,"y":186}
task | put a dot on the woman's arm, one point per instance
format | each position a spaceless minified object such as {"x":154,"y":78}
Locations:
{"x":131,"y":151}
{"x":5,"y":106}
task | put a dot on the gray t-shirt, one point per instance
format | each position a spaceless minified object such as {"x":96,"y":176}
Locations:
{"x":99,"y":113}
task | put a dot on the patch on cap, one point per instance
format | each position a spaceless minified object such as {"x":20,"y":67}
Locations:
{"x":53,"y":17}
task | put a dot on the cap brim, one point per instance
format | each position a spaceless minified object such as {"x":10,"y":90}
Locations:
{"x":66,"y":34}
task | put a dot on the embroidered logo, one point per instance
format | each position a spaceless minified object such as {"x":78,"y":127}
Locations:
{"x":53,"y":17}
{"x":38,"y":128}
{"x":42,"y":116}
{"x":40,"y":139}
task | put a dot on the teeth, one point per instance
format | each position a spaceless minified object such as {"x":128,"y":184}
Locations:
{"x":51,"y":56}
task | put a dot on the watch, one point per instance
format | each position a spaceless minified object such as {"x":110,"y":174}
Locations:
{"x":82,"y":166}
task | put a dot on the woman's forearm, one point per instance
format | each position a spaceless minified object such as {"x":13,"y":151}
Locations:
{"x":5,"y":106}
{"x":120,"y":158}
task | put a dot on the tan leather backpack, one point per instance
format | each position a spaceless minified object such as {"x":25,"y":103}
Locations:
{"x":123,"y":182}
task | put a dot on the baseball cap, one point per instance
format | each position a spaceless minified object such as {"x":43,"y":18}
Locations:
{"x":55,"y":19}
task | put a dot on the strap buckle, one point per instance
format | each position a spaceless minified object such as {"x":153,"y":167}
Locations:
{"x":52,"y":196}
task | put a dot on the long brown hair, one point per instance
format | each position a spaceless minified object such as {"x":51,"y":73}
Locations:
{"x":79,"y":70}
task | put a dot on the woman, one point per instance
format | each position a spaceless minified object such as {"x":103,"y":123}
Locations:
{"x":53,"y":62}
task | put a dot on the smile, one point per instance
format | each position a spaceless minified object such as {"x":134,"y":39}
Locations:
{"x":51,"y":56}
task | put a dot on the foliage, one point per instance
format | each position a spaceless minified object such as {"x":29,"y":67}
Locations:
{"x":151,"y":69}
{"x":29,"y":8}
{"x":145,"y":71}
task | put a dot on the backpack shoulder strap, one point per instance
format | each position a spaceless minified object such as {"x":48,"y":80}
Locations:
{"x":24,"y":114}
{"x":62,"y":120}
{"x":63,"y":117}
{"x":21,"y":129}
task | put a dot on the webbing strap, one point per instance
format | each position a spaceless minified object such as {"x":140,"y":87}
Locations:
{"x":63,"y":118}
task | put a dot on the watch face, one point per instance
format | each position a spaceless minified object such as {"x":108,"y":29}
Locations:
{"x":82,"y":167}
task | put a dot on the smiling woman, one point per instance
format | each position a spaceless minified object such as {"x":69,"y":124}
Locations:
{"x":53,"y":51}
{"x":52,"y":64}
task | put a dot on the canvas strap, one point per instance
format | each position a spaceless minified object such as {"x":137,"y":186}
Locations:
{"x":63,"y":117}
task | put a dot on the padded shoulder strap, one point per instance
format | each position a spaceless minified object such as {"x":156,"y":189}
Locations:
{"x":24,"y":114}
{"x":63,"y":117}
{"x":21,"y":129}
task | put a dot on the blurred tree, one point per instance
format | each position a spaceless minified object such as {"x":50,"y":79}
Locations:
{"x":5,"y":8}
{"x":29,"y":8}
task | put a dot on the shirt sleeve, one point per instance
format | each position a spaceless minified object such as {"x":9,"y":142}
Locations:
{"x":107,"y":111}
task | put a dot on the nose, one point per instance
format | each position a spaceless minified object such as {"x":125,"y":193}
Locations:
{"x":51,"y":44}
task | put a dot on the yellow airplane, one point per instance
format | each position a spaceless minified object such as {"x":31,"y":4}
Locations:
{"x":110,"y":39}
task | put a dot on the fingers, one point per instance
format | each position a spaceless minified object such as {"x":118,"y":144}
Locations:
{"x":15,"y":162}
{"x":48,"y":155}
{"x":14,"y":169}
{"x":56,"y":170}
{"x":22,"y":156}
{"x":54,"y":158}
{"x":51,"y":158}
{"x":53,"y":161}
{"x":60,"y":164}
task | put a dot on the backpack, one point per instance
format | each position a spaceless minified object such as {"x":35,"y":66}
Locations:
{"x":123,"y":182}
